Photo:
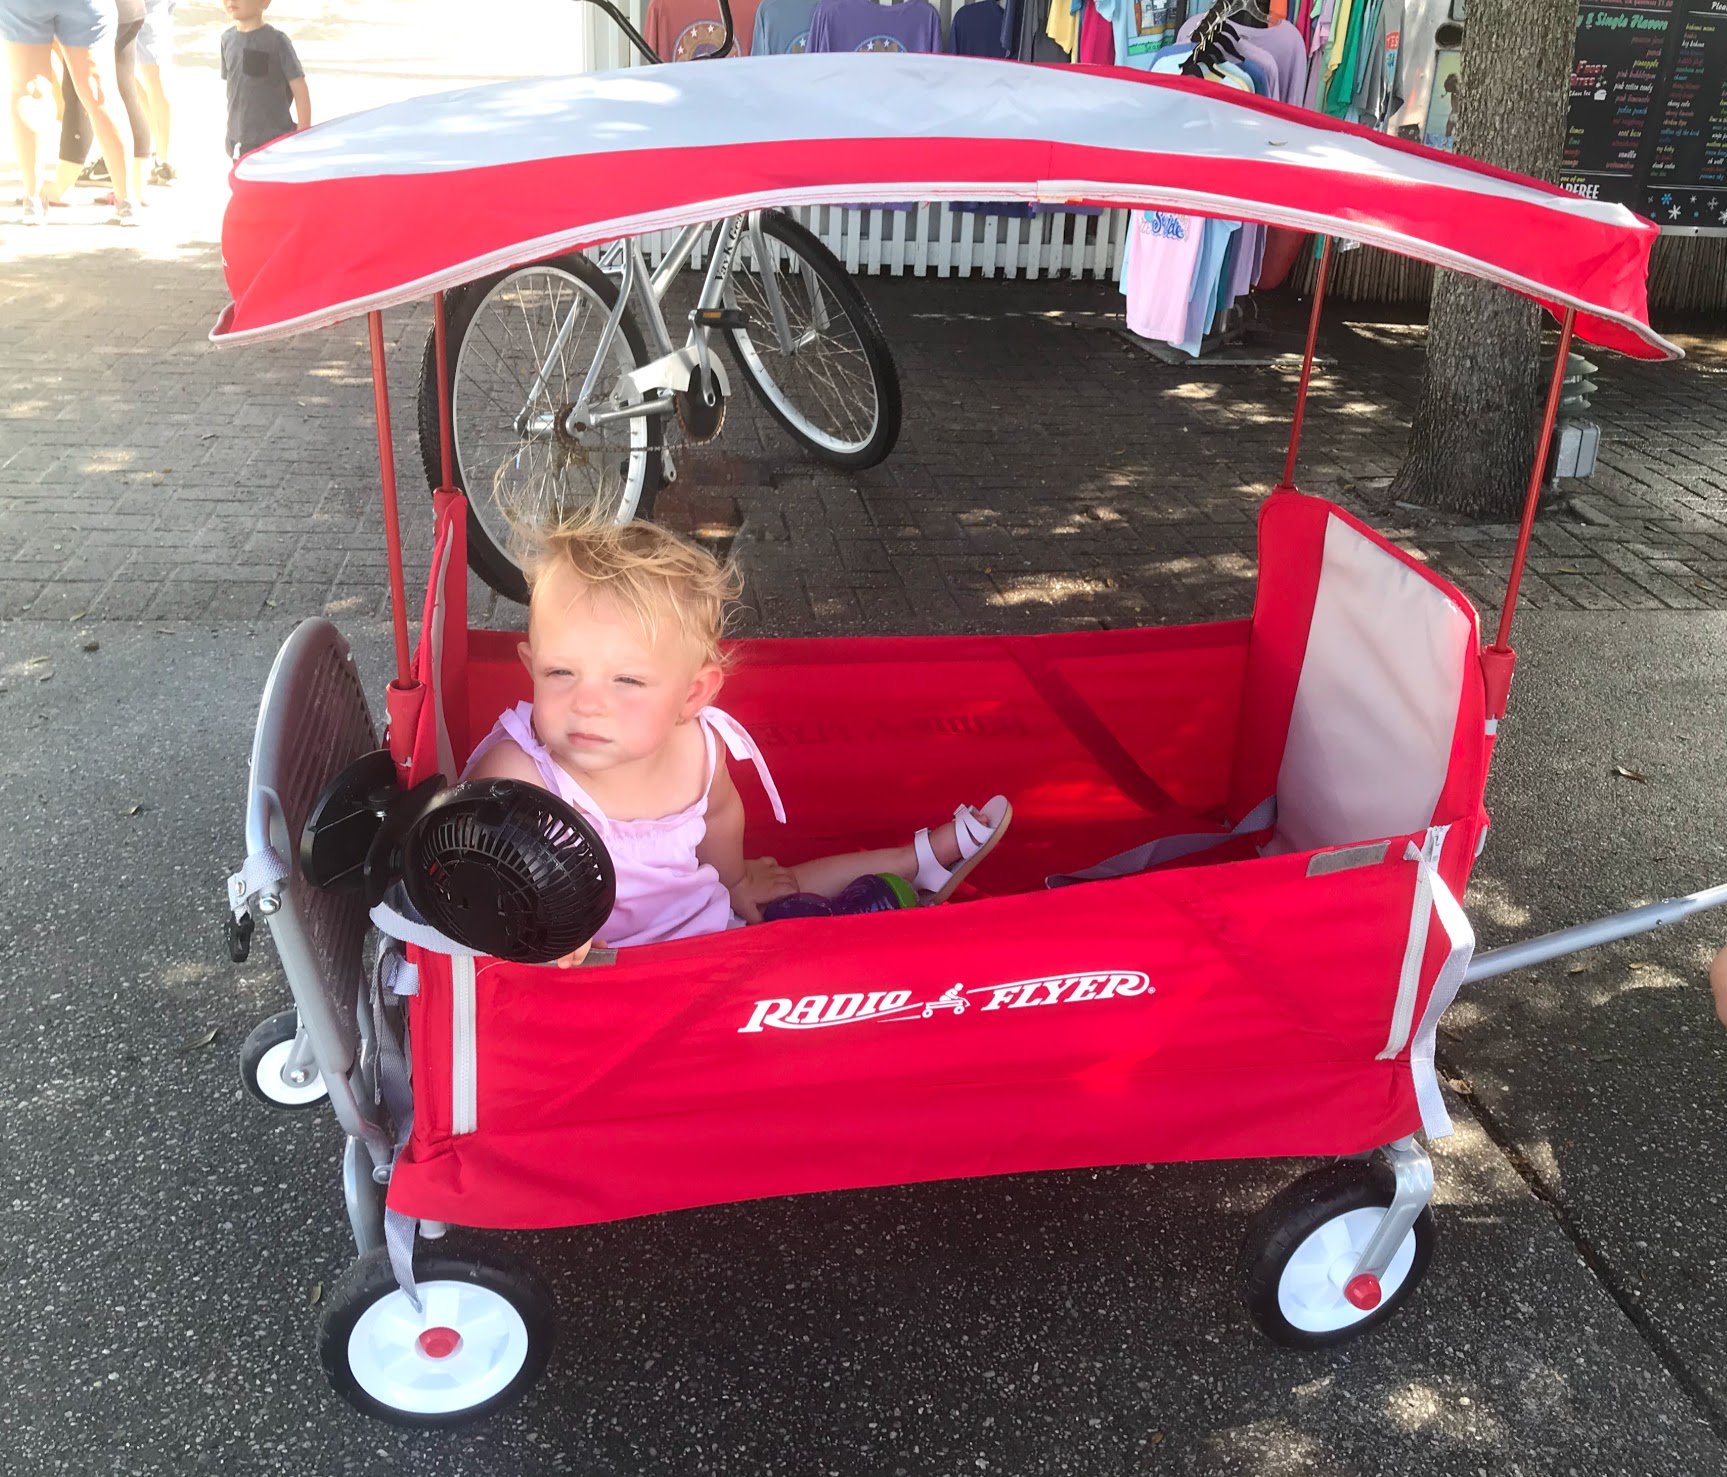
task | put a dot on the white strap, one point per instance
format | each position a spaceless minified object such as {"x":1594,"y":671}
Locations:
{"x":1426,"y":858}
{"x":741,"y":746}
{"x":1434,"y":1119}
{"x":410,"y":928}
{"x":261,"y":869}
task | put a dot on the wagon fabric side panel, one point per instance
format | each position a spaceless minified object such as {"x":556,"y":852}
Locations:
{"x":1233,"y":1010}
{"x":1100,"y":738}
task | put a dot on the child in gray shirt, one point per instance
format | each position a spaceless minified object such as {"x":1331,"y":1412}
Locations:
{"x":264,"y":78}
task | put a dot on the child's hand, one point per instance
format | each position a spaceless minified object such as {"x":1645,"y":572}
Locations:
{"x":575,"y":956}
{"x":764,"y":880}
{"x":1718,"y":983}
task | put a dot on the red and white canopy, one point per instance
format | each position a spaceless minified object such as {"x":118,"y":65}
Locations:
{"x":389,"y":206}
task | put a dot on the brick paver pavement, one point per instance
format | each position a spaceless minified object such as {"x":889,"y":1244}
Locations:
{"x":1050,"y":471}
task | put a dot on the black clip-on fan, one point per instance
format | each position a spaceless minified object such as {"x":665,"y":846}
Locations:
{"x":502,"y":867}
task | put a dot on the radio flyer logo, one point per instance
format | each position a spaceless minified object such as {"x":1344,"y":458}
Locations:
{"x":816,"y":1012}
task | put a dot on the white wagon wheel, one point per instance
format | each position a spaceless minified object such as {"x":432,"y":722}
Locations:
{"x":479,"y":1339}
{"x":1301,"y":1250}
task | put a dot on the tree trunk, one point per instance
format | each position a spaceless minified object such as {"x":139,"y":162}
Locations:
{"x":1476,"y":424}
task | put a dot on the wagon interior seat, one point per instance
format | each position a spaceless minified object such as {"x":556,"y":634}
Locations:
{"x":1363,"y":709}
{"x":1343,"y":697}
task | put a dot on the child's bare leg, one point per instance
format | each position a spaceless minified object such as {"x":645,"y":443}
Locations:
{"x":829,"y":875}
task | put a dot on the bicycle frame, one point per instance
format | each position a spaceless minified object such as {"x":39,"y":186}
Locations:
{"x":648,"y":389}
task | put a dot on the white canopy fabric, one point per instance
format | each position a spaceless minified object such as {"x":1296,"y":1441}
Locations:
{"x":386,"y":207}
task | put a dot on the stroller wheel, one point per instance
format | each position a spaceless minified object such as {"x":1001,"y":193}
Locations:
{"x":1301,"y":1248}
{"x":264,"y":1058}
{"x":480,"y":1338}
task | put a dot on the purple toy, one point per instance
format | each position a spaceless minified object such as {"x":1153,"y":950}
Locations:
{"x":877,"y":892}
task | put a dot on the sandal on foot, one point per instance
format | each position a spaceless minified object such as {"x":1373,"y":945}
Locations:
{"x":977,"y":831}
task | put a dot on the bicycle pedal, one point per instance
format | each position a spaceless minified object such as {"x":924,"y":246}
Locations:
{"x":730,"y":318}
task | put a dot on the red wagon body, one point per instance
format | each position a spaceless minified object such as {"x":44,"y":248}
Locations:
{"x":1228,"y":1004}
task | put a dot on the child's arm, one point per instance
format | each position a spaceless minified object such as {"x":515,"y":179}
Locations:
{"x":302,"y":95}
{"x":1718,"y":981}
{"x":750,"y":883}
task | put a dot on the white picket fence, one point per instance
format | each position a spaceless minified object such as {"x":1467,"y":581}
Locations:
{"x":931,"y":239}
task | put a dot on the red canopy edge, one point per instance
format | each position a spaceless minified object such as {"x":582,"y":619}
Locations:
{"x":366,"y":213}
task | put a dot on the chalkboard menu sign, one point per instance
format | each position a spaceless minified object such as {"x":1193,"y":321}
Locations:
{"x":1648,"y":116}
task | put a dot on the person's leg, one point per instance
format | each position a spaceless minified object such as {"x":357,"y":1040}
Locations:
{"x":29,"y":70}
{"x":155,"y":68}
{"x":88,"y":76}
{"x":126,"y":84}
{"x":828,"y":875}
{"x":76,"y":136}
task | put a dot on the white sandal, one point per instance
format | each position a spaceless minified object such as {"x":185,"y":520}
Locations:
{"x":977,"y":831}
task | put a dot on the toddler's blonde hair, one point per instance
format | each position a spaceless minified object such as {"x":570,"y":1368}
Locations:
{"x":647,"y":571}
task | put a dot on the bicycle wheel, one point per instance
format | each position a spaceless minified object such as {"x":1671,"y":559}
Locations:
{"x":512,"y":382}
{"x":834,"y":386}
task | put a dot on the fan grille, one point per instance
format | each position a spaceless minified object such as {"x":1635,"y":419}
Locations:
{"x":509,"y":869}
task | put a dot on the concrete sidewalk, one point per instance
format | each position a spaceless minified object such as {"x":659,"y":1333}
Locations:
{"x":168,"y":511}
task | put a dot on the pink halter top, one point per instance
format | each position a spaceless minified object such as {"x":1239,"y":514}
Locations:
{"x":663,"y":891}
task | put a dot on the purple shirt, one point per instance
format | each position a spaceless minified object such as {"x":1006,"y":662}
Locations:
{"x":862,"y":25}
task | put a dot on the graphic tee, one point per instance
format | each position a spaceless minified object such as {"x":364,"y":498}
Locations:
{"x":782,"y":27}
{"x":862,"y":25}
{"x":1142,"y":28}
{"x":683,"y":30}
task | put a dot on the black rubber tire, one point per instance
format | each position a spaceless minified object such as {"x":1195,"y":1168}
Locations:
{"x":370,"y":1280}
{"x":268,"y":1033}
{"x":486,"y":556}
{"x":1290,"y":1217}
{"x":831,"y":273}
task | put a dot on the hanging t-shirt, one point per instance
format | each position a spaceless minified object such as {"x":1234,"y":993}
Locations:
{"x":782,"y":27}
{"x":1142,"y":28}
{"x":1063,"y":25}
{"x":1024,"y":23}
{"x":1157,"y":276}
{"x":862,"y":25}
{"x":1380,"y":92}
{"x":682,"y":30}
{"x":1096,"y":38}
{"x":976,"y":30}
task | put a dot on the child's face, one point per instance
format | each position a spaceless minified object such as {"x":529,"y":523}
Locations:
{"x":246,"y":12}
{"x":605,"y":693}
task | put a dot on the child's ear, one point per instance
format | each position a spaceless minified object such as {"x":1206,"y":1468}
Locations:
{"x":526,"y":653}
{"x":704,"y":688}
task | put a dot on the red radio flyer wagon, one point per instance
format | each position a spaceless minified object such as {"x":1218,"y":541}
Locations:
{"x":1300,"y":793}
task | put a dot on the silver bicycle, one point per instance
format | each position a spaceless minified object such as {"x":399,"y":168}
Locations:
{"x":562,"y":374}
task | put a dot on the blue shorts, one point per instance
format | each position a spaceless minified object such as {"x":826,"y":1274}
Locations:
{"x":77,"y":23}
{"x":156,"y":40}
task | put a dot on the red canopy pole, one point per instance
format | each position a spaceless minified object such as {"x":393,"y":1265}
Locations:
{"x":392,"y":523}
{"x":446,"y":449}
{"x":1288,"y":483}
{"x":1498,"y":658}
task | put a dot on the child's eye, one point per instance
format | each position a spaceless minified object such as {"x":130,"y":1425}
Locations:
{"x":631,"y":681}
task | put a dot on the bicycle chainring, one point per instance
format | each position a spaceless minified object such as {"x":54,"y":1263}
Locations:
{"x":701,"y":417}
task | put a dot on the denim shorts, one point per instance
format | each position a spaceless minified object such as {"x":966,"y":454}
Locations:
{"x":156,"y":40}
{"x":78,"y":23}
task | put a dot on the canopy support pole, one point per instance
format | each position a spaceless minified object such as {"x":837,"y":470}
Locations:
{"x":446,"y":434}
{"x":1319,"y":279}
{"x":1498,"y":658}
{"x":387,"y":479}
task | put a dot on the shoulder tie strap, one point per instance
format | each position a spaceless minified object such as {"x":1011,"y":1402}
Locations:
{"x":740,"y":745}
{"x":518,"y":723}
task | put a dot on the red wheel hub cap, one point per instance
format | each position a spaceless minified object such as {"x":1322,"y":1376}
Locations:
{"x":440,"y":1343}
{"x":1363,"y":1291}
